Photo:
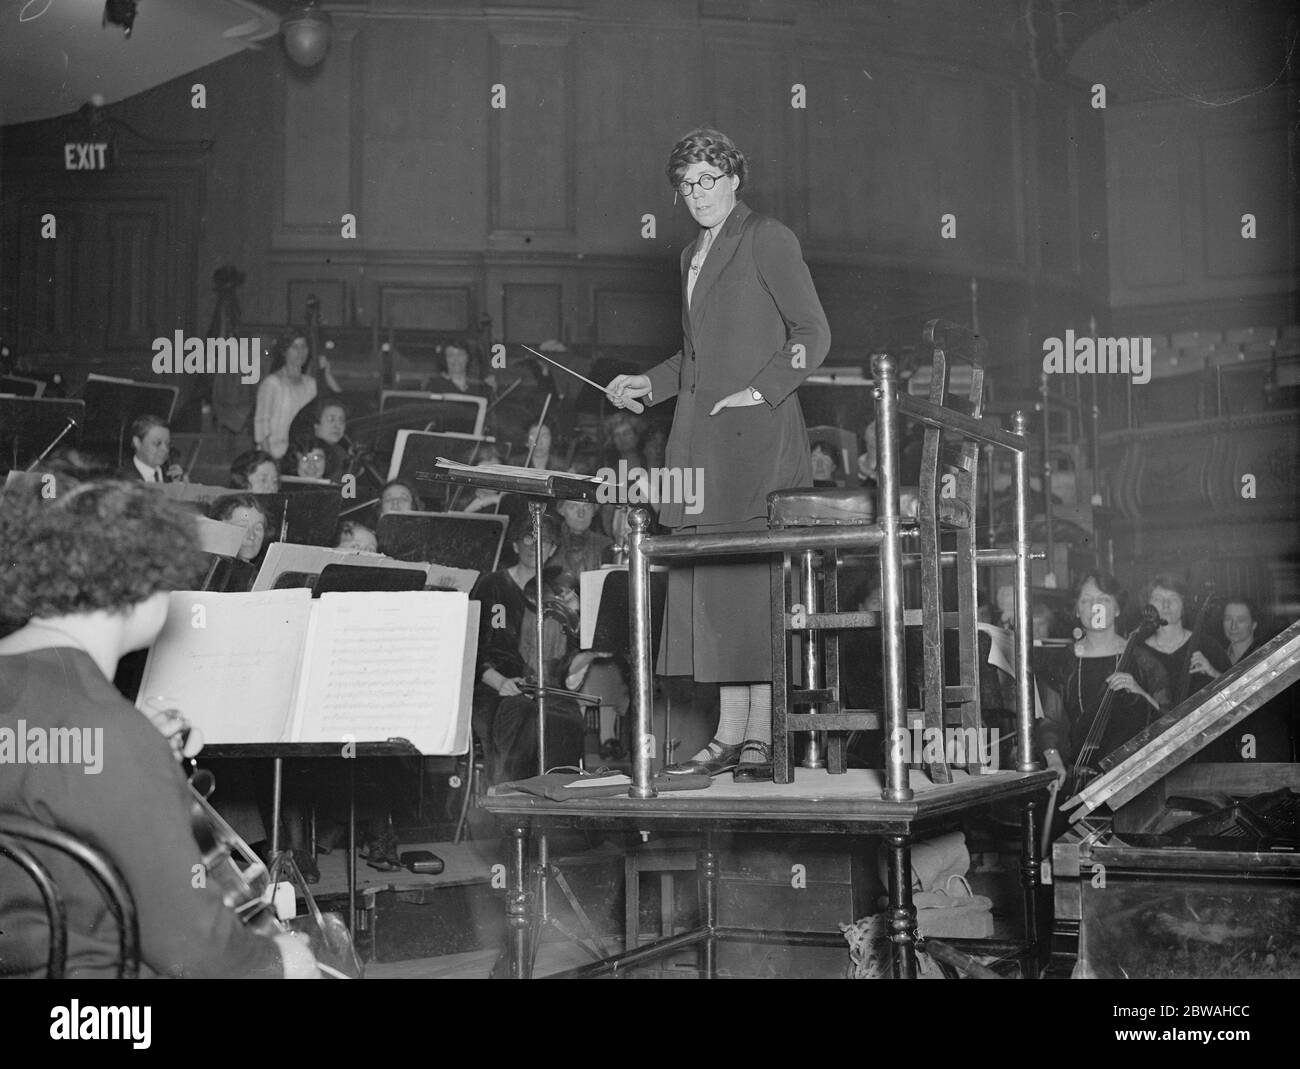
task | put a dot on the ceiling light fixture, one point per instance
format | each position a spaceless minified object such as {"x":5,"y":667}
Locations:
{"x":120,"y":13}
{"x":306,"y":32}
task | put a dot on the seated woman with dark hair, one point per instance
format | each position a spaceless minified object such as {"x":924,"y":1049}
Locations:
{"x":456,"y":377}
{"x":1075,"y":734}
{"x":256,"y":472}
{"x":88,"y":573}
{"x":306,"y":459}
{"x":1267,"y":734}
{"x":1188,"y":660}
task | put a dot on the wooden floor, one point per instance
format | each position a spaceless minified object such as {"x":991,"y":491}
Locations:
{"x":477,"y":964}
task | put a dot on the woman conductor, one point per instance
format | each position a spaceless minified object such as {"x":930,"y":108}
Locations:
{"x":753,"y":329}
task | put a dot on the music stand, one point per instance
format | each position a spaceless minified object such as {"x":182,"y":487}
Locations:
{"x":416,"y":454}
{"x":539,"y":487}
{"x":455,"y":539}
{"x":112,"y":404}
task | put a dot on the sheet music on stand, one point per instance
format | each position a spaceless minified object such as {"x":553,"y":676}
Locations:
{"x":509,"y":478}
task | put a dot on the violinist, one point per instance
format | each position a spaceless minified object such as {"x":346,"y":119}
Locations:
{"x":1188,"y":660}
{"x":151,"y":444}
{"x":505,"y":718}
{"x":1091,"y":672}
{"x":329,"y":429}
{"x":87,"y":574}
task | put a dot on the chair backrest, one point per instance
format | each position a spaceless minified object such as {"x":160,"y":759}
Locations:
{"x":17,"y":835}
{"x":948,"y":503}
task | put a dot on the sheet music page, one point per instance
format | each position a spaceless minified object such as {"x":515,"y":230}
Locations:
{"x":385,"y":665}
{"x":1002,"y":654}
{"x":591,"y":586}
{"x":229,"y":661}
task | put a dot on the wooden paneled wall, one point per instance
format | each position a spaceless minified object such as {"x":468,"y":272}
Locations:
{"x":1181,"y":176}
{"x":553,"y":212}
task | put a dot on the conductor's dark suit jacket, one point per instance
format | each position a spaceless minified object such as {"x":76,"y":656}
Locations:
{"x":755,"y":321}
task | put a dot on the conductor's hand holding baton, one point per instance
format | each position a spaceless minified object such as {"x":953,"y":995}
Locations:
{"x":623,"y":391}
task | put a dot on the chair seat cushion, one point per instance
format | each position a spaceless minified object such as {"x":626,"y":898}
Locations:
{"x":817,"y":506}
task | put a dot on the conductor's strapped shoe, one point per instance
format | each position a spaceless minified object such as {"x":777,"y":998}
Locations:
{"x":721,"y":758}
{"x":755,"y":762}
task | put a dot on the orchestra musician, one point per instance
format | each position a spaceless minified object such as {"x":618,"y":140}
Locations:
{"x":505,"y":718}
{"x":753,"y":329}
{"x":151,"y":443}
{"x":1091,"y":671}
{"x":290,"y":387}
{"x":87,"y":573}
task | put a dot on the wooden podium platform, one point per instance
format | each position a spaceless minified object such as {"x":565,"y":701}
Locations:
{"x":818,"y":803}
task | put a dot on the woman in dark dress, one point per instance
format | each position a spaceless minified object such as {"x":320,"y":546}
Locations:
{"x":753,"y":330}
{"x":87,"y":575}
{"x":1090,"y":671}
{"x":1189,"y":662}
{"x":1267,"y":733}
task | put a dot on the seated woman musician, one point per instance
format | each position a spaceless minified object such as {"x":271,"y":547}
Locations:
{"x":455,"y":377}
{"x":1189,"y":661}
{"x":505,"y":716}
{"x":1073,"y":737}
{"x":256,"y":472}
{"x":1268,"y":733}
{"x":87,"y":574}
{"x":242,"y":510}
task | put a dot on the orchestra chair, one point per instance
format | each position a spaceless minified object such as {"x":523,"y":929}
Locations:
{"x":805,"y":584}
{"x":17,"y":835}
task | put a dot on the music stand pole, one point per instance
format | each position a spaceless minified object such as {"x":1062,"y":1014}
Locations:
{"x":71,"y":423}
{"x":536,"y":508}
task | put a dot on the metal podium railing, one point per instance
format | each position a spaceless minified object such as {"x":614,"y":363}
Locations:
{"x":886,"y":535}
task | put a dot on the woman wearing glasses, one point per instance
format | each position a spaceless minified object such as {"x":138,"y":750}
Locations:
{"x":753,"y":329}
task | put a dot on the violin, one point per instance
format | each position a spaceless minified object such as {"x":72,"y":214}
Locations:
{"x":229,"y":863}
{"x":560,"y":634}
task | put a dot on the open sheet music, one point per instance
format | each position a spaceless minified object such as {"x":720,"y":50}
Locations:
{"x":276,"y":666}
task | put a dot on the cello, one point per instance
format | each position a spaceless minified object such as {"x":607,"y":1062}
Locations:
{"x":1083,"y":769}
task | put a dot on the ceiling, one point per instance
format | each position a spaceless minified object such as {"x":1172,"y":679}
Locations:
{"x":55,"y":55}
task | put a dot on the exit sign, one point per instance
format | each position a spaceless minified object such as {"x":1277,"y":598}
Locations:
{"x":85,"y":156}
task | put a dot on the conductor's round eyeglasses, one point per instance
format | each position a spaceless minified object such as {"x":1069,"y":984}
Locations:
{"x":705,"y":182}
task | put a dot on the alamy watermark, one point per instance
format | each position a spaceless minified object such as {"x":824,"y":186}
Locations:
{"x":920,"y":745}
{"x":652,"y":486}
{"x":1097,"y":356}
{"x":209,"y":356}
{"x":25,"y":745}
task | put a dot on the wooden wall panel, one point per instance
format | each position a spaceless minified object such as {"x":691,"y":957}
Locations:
{"x":532,"y":312}
{"x":625,"y":134}
{"x":1181,"y":176}
{"x":1146,"y":233}
{"x":1241,"y":173}
{"x":531,"y":137}
{"x":134,"y":278}
{"x":426,"y":307}
{"x":424,"y":117}
{"x":638,"y":317}
{"x":747,"y":87}
{"x":317,"y":144}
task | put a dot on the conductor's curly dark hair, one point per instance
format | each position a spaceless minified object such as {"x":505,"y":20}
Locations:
{"x":709,"y":146}
{"x":84,"y":547}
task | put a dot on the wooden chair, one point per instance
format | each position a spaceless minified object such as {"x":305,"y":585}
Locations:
{"x":17,"y":835}
{"x":941,"y":513}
